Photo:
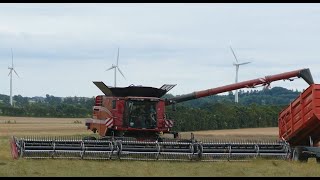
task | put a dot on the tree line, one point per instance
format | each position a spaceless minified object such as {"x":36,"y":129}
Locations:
{"x":224,"y":116}
{"x":255,"y":109}
{"x":50,"y":106}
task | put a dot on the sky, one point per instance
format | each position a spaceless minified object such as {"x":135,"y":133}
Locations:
{"x":59,"y":49}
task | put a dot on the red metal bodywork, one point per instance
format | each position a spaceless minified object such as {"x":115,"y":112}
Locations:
{"x":103,"y":113}
{"x":248,"y":84}
{"x":301,"y":118}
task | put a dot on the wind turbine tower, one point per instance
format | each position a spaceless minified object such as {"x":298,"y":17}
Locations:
{"x":10,"y":73}
{"x":237,"y":64}
{"x":116,"y":67}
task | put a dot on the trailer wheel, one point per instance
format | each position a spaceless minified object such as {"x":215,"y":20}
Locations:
{"x":297,"y":155}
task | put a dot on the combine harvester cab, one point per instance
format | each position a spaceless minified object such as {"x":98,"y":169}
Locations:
{"x":122,"y":136}
{"x":299,"y":125}
{"x":133,"y":111}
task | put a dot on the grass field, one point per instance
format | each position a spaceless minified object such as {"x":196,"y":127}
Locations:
{"x":14,"y":126}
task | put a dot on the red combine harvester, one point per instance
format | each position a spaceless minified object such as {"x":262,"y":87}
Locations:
{"x":130,"y":121}
{"x":139,"y":112}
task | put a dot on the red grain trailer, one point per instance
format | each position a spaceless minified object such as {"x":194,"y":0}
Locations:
{"x":299,"y":124}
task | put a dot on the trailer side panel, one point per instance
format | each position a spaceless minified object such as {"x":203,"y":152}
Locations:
{"x":301,"y":118}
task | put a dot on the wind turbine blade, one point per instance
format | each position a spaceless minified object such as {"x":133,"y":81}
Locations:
{"x":10,"y":72}
{"x":244,"y":63}
{"x":16,"y":72}
{"x":234,"y":54}
{"x":110,"y":68}
{"x":12,"y":57}
{"x":121,"y":72}
{"x":118,"y":57}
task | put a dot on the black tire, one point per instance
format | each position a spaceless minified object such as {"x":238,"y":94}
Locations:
{"x":297,"y":155}
{"x":318,"y":159}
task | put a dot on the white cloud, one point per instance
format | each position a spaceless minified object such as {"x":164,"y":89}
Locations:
{"x":60,"y":49}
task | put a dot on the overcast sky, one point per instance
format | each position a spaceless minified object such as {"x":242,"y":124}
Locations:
{"x":59,"y":49}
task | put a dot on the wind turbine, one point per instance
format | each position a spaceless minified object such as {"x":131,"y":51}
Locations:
{"x":116,"y":67}
{"x":237,"y":64}
{"x":10,"y":73}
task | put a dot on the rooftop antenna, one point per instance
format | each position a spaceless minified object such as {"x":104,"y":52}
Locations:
{"x":10,"y":73}
{"x":116,"y":67}
{"x":237,"y":64}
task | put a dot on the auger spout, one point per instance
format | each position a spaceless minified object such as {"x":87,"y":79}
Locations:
{"x":302,"y":73}
{"x":306,"y":75}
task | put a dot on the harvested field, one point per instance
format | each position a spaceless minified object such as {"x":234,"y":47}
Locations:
{"x":23,"y":126}
{"x":246,"y":134}
{"x":26,"y":126}
{"x":272,"y":131}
